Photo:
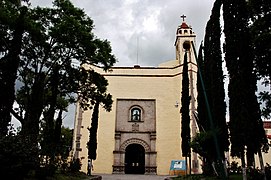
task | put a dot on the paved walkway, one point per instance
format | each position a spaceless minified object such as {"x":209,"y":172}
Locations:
{"x":131,"y":177}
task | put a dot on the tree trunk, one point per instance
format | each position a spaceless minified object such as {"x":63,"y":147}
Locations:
{"x":244,"y":172}
{"x":186,"y":164}
{"x":261,"y":163}
{"x":58,"y":125}
{"x":190,"y":166}
{"x":225,"y":167}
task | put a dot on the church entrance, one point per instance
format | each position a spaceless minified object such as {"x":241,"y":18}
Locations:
{"x":134,"y":159}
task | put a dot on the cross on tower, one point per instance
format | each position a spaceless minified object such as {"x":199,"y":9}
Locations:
{"x":183,"y":16}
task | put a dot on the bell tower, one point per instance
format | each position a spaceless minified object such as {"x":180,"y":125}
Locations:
{"x":184,"y":36}
{"x":183,"y":43}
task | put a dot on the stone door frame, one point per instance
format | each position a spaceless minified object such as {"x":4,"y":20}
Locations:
{"x":119,"y":156}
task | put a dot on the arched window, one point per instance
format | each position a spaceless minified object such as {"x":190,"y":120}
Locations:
{"x":135,"y":114}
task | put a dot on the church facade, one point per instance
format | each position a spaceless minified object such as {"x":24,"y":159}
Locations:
{"x":142,"y":133}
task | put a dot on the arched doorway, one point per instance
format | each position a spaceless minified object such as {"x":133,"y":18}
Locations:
{"x":134,"y":159}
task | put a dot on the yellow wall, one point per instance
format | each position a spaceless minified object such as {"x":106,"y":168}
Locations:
{"x":161,"y":84}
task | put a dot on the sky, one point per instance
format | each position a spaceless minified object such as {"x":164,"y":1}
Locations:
{"x":140,"y":31}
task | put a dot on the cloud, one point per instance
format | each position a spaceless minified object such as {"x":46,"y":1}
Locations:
{"x":143,"y":30}
{"x":151,"y":24}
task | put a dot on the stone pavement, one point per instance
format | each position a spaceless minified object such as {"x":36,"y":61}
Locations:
{"x":131,"y":177}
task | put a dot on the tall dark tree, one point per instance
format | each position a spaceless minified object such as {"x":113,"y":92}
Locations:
{"x":185,"y":101}
{"x":202,"y":143}
{"x":202,"y":111}
{"x":213,"y":136}
{"x":92,"y":143}
{"x":246,"y":128}
{"x":214,"y":78}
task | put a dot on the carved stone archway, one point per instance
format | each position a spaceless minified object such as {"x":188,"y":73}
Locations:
{"x":119,"y":156}
{"x":135,"y":141}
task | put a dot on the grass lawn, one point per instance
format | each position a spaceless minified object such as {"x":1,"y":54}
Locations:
{"x":76,"y":176}
{"x":201,"y":177}
{"x":67,"y":176}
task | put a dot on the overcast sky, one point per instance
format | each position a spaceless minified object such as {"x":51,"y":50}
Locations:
{"x":141,"y":31}
{"x":146,"y":27}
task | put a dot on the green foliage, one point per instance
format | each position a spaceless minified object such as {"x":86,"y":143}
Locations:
{"x":185,"y":100}
{"x":203,"y":144}
{"x":265,"y":99}
{"x":261,"y":38}
{"x":75,"y":165}
{"x":16,"y":157}
{"x":201,"y":116}
{"x":260,"y":30}
{"x":54,"y":63}
{"x":234,"y":168}
{"x":92,"y":143}
{"x":214,"y":78}
{"x":246,"y":128}
{"x":65,"y":142}
{"x":212,"y":140}
{"x":200,"y":177}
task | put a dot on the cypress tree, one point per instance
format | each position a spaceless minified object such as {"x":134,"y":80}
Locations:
{"x":185,"y":100}
{"x":214,"y":78}
{"x":92,"y":143}
{"x":202,"y":119}
{"x":215,"y":133}
{"x":202,"y":112}
{"x":246,"y":129}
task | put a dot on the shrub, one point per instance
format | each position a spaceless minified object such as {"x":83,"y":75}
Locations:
{"x":75,"y":165}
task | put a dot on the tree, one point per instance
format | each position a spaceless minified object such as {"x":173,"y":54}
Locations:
{"x":65,"y":44}
{"x":15,"y":155}
{"x":185,"y":100}
{"x":260,"y":19}
{"x":92,"y":143}
{"x":203,"y":144}
{"x":214,"y":83}
{"x":211,"y":115}
{"x":54,"y":69}
{"x":246,"y":128}
{"x":202,"y":116}
{"x":214,"y":78}
{"x":12,"y":27}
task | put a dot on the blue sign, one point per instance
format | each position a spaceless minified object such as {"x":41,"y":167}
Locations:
{"x":178,"y":165}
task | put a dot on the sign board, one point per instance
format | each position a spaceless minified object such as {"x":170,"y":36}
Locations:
{"x":178,"y":165}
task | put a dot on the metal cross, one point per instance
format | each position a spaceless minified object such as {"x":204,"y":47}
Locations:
{"x":183,"y":16}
